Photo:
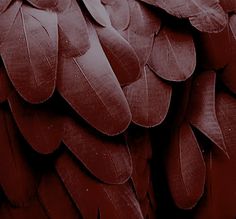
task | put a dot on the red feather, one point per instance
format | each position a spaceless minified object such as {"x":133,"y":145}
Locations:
{"x":120,"y":54}
{"x":185,"y":168}
{"x":149,"y":99}
{"x":98,"y":12}
{"x":173,"y":55}
{"x":205,"y":15}
{"x":58,"y":5}
{"x":55,"y":199}
{"x":106,"y":158}
{"x":41,"y":127}
{"x":118,"y":11}
{"x":73,"y":33}
{"x":201,"y":112}
{"x":32,"y":41}
{"x":16,"y":176}
{"x":5,"y":85}
{"x":90,"y":86}
{"x":112,"y":201}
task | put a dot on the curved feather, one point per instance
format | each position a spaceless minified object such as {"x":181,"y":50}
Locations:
{"x":112,"y":201}
{"x":16,"y":175}
{"x":91,"y":88}
{"x":32,"y":41}
{"x":173,"y":55}
{"x":58,"y":5}
{"x":5,"y":85}
{"x":185,"y":168}
{"x":73,"y":33}
{"x":228,"y":5}
{"x":206,"y":16}
{"x":120,"y":54}
{"x":201,"y":113}
{"x":41,"y":126}
{"x":98,"y":12}
{"x":4,"y":4}
{"x":7,"y":20}
{"x":118,"y":11}
{"x":55,"y":199}
{"x":106,"y":158}
{"x":149,"y":99}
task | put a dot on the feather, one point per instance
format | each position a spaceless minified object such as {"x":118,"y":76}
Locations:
{"x":173,"y":55}
{"x":5,"y":85}
{"x":7,"y":19}
{"x":32,"y":41}
{"x":212,"y":56}
{"x":98,"y":12}
{"x":120,"y":54}
{"x":91,"y":88}
{"x":73,"y":33}
{"x":16,"y":176}
{"x":106,"y":158}
{"x":185,"y":168}
{"x":41,"y":127}
{"x":149,"y":99}
{"x":143,"y":21}
{"x":118,"y":11}
{"x":4,"y":5}
{"x":232,"y":24}
{"x":55,"y":199}
{"x":112,"y":201}
{"x":143,"y":25}
{"x":141,"y":152}
{"x":206,"y":16}
{"x":33,"y":210}
{"x":228,"y":5}
{"x":58,"y":5}
{"x":201,"y":113}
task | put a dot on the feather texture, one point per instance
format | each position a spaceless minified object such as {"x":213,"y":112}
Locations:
{"x":73,"y":33}
{"x":149,"y":99}
{"x":88,"y":83}
{"x":32,"y":41}
{"x":113,"y":201}
{"x":120,"y":54}
{"x":185,"y":168}
{"x":106,"y":158}
{"x":173,"y":55}
{"x":4,"y":4}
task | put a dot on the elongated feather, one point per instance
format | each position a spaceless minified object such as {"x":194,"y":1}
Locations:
{"x":73,"y":33}
{"x":202,"y":114}
{"x":4,"y":4}
{"x":173,"y":55}
{"x":7,"y":19}
{"x":206,"y":16}
{"x":106,"y":158}
{"x":32,"y":41}
{"x":58,"y":5}
{"x":98,"y":12}
{"x":32,"y":210}
{"x":55,"y":199}
{"x":185,"y":168}
{"x":16,"y":176}
{"x":141,"y":152}
{"x":41,"y":127}
{"x":112,"y":201}
{"x":149,"y":99}
{"x":120,"y":54}
{"x":118,"y":11}
{"x":90,"y":86}
{"x":5,"y":85}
